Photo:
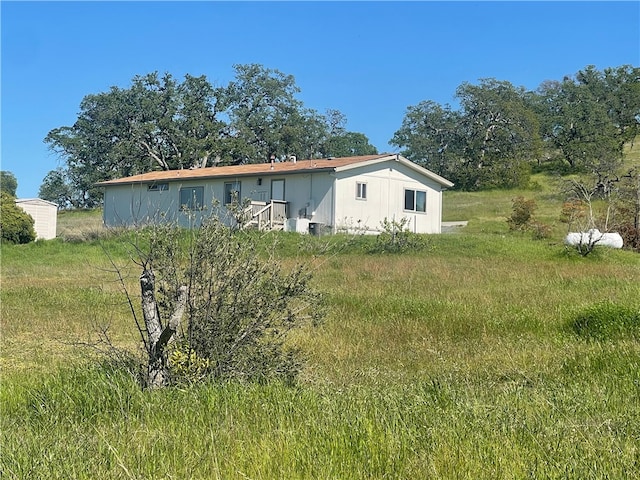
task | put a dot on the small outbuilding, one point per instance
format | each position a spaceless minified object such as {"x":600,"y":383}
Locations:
{"x":44,"y":214}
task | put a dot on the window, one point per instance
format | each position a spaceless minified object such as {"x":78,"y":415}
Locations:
{"x":415,"y":200}
{"x":192,"y":198}
{"x":231,"y":192}
{"x":361,"y":191}
{"x":158,"y":187}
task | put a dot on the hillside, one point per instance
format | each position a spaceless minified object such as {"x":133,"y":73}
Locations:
{"x":486,"y":211}
{"x":485,"y":355}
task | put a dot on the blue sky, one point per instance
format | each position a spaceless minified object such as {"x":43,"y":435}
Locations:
{"x":370,"y":60}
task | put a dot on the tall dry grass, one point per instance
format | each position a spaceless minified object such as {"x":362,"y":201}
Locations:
{"x":458,"y":361}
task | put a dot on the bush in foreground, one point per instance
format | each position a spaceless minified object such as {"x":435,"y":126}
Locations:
{"x":215,"y":307}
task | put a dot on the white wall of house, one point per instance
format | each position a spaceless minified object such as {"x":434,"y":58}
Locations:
{"x":310,"y":196}
{"x":322,"y":197}
{"x":137,"y":204}
{"x":128,"y":205}
{"x":385,"y":198}
{"x":306,"y":193}
{"x":44,"y":214}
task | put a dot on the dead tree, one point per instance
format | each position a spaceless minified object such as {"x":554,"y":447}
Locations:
{"x":159,"y":334}
{"x":208,"y":297}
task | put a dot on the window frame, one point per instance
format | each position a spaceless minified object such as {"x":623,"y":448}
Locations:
{"x":158,"y":187}
{"x":198,"y":196}
{"x":415,"y":200}
{"x":228,"y":194}
{"x":361,"y":190}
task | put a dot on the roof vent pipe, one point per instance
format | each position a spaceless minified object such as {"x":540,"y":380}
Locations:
{"x":293,"y":159}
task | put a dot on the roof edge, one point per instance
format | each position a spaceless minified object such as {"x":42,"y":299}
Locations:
{"x":23,"y":200}
{"x":405,"y":161}
{"x":303,"y":167}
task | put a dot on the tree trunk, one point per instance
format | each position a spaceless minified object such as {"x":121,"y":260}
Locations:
{"x":158,"y":336}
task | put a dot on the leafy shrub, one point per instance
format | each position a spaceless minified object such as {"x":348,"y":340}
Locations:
{"x":625,"y":222}
{"x":630,"y":235}
{"x":522,"y":219}
{"x":241,"y":307}
{"x":16,"y":225}
{"x":539,"y":230}
{"x":216,"y":306}
{"x":607,"y":321}
{"x":186,"y":366}
{"x":522,"y":213}
{"x":397,"y":238}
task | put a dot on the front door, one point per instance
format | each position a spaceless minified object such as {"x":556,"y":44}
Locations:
{"x":277,"y":189}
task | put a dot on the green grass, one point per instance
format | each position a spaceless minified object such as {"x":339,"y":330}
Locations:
{"x":460,"y":361}
{"x":94,"y":423}
{"x":488,"y":211}
{"x":78,"y":225}
{"x":631,"y":154}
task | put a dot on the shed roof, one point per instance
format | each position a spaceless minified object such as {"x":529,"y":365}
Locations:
{"x":36,"y":201}
{"x":283,"y":168}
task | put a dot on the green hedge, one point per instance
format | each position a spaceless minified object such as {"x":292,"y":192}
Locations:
{"x":16,"y":225}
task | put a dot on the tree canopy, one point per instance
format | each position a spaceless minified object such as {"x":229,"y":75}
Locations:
{"x":499,"y":131}
{"x":486,"y":143}
{"x":588,"y":118}
{"x":160,"y":123}
{"x":493,"y":139}
{"x":8,"y":183}
{"x":57,"y":188}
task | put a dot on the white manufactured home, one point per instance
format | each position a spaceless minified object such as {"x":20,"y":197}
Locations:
{"x":330,"y":194}
{"x":44,"y":214}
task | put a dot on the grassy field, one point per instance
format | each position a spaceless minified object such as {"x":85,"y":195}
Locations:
{"x":456,"y":362}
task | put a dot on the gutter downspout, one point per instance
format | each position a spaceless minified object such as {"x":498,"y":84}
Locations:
{"x":389,"y":193}
{"x":333,"y":205}
{"x":104,"y":206}
{"x":310,"y":194}
{"x":441,"y":199}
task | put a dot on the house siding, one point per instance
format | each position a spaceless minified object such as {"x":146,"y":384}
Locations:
{"x":385,"y":198}
{"x":135,"y":204}
{"x":44,"y":214}
{"x":325,"y":196}
{"x":312,"y":198}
